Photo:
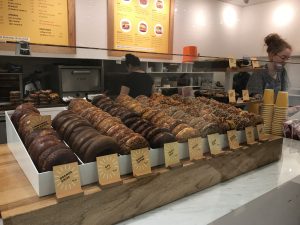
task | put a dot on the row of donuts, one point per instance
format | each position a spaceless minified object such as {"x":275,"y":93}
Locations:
{"x":159,"y":118}
{"x":44,"y":146}
{"x":82,"y":137}
{"x":205,"y":124}
{"x":156,"y":136}
{"x":108,"y":125}
{"x":226,"y":117}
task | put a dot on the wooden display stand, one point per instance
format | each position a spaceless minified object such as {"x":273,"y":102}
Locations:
{"x":19,"y":204}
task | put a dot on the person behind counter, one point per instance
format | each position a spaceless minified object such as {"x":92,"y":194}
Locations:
{"x":274,"y":76}
{"x":137,"y":82}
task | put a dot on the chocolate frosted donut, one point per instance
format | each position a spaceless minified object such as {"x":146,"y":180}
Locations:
{"x":77,"y":132}
{"x":82,"y":138}
{"x":38,"y":133}
{"x":154,"y":132}
{"x":72,"y":125}
{"x":43,"y":156}
{"x":62,"y":119}
{"x":59,"y":115}
{"x":142,"y":127}
{"x":128,"y":114}
{"x":161,"y":138}
{"x":39,"y":140}
{"x":59,"y":157}
{"x":139,"y":124}
{"x":101,"y":145}
{"x":81,"y":151}
{"x":38,"y":150}
{"x":145,"y":132}
{"x":97,"y":98}
{"x":128,"y":122}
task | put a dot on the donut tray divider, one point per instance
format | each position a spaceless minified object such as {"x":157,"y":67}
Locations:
{"x":43,"y":183}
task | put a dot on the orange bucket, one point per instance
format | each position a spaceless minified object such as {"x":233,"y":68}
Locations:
{"x":189,"y":53}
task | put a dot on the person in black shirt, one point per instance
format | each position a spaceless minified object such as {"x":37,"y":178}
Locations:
{"x":137,"y":82}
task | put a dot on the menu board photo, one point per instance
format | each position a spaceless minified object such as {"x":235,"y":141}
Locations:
{"x":142,"y":26}
{"x":50,"y":22}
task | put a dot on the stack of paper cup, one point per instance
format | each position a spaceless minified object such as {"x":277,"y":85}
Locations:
{"x":280,"y":112}
{"x":267,"y":109}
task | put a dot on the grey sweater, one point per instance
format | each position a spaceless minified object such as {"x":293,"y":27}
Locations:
{"x":261,"y":80}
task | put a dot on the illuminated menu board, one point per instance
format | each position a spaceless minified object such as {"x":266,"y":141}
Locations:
{"x":36,"y":21}
{"x":141,"y":25}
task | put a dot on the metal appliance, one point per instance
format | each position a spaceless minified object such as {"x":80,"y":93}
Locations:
{"x":8,"y":82}
{"x":79,"y":81}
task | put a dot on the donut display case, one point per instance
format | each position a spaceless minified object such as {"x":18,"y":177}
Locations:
{"x":120,"y":126}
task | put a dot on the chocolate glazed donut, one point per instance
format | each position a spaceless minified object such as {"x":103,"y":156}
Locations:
{"x":102,"y":145}
{"x":36,"y":152}
{"x":42,"y":157}
{"x":61,"y":156}
{"x":83,"y":137}
{"x":55,"y":123}
{"x":38,"y":133}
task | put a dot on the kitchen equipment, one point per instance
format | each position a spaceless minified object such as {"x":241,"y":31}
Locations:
{"x":79,"y":81}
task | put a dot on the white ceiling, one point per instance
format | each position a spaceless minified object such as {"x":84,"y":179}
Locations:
{"x":243,"y":4}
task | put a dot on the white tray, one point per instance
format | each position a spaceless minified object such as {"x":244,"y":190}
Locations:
{"x":43,"y":183}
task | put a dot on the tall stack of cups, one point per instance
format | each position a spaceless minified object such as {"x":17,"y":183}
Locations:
{"x":280,"y":112}
{"x":267,"y":110}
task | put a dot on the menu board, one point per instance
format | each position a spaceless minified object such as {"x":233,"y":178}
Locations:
{"x":141,"y":25}
{"x":37,"y":21}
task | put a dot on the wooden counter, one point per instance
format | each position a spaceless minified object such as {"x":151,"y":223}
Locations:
{"x":20,"y":205}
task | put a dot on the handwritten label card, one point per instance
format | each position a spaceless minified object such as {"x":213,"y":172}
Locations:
{"x":232,"y":63}
{"x":250,"y":135}
{"x":231,"y":96}
{"x":39,"y":122}
{"x":261,"y":133}
{"x":255,"y":63}
{"x":67,"y":181}
{"x":232,"y":139}
{"x":195,"y":150}
{"x":171,"y":153}
{"x":214,"y":144}
{"x":140,"y":160}
{"x":246,"y":95}
{"x":108,"y":170}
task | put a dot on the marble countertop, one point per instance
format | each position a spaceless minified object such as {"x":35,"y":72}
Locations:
{"x":210,"y":204}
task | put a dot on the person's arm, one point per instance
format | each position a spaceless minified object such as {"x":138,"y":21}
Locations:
{"x":124,"y":90}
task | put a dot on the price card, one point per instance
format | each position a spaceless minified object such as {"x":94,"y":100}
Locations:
{"x":231,"y":96}
{"x":250,"y":135}
{"x":39,"y":122}
{"x":214,"y":144}
{"x":232,"y":139}
{"x":195,"y":150}
{"x":255,"y":63}
{"x":67,"y":181}
{"x":171,"y":153}
{"x":232,"y":63}
{"x":261,"y":133}
{"x":246,"y":95}
{"x":108,"y":170}
{"x":140,"y":160}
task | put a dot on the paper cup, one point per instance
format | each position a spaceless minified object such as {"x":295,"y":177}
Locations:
{"x":268,"y":96}
{"x":282,"y":99}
